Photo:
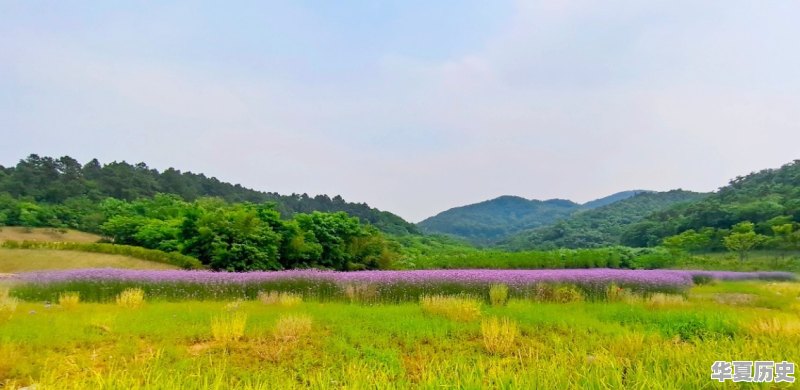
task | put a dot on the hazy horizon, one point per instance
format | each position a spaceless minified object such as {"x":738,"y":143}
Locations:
{"x":411,"y":107}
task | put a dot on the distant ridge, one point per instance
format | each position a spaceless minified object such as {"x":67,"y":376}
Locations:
{"x":604,"y":201}
{"x":494,"y":220}
{"x":601,"y":226}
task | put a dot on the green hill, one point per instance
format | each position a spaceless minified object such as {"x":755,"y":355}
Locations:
{"x":602,"y":226}
{"x":768,"y":198}
{"x":489,"y":221}
{"x":56,"y":181}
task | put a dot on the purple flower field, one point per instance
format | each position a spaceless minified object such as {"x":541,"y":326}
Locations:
{"x":515,"y":278}
{"x":389,"y":286}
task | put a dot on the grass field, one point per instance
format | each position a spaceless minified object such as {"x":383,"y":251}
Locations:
{"x":664,"y":341}
{"x":15,"y":233}
{"x":22,"y":260}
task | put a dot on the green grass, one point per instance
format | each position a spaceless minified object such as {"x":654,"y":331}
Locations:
{"x":22,"y":260}
{"x":572,"y":345}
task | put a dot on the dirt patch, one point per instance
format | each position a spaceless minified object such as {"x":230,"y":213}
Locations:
{"x":199,"y":348}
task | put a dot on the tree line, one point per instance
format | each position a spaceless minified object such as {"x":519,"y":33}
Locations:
{"x":225,"y":236}
{"x":49,"y":180}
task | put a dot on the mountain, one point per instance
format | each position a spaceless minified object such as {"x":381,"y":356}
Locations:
{"x":768,"y":198}
{"x":605,"y":201}
{"x":489,"y":221}
{"x":602,"y":226}
{"x":54,"y":181}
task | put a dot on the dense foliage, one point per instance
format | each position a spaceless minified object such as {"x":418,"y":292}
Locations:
{"x":762,"y":208}
{"x":235,"y":237}
{"x":599,"y":227}
{"x":63,"y":180}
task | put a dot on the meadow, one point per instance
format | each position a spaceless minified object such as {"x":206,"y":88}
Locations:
{"x":71,"y":325}
{"x":478,"y":334}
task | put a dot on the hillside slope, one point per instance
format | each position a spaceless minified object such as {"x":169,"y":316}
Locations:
{"x":15,"y":233}
{"x":598,"y":227}
{"x":767,"y":198}
{"x":27,"y":260}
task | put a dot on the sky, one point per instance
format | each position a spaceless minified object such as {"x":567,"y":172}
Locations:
{"x":410,"y":106}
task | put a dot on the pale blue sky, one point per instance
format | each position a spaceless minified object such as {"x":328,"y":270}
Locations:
{"x":410,"y":106}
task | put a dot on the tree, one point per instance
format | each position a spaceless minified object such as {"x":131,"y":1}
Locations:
{"x":334,"y":232}
{"x":689,"y":240}
{"x":743,"y":239}
{"x":785,"y":236}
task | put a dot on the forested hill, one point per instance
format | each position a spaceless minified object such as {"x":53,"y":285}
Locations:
{"x":495,"y":220}
{"x":599,"y":227}
{"x":56,"y":180}
{"x":769,"y":199}
{"x":489,"y":221}
{"x":607,"y":200}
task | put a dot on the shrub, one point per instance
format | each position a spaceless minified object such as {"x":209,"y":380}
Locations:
{"x":228,"y":327}
{"x":453,"y":307}
{"x":131,"y":298}
{"x":8,"y":305}
{"x":499,"y":335}
{"x":498,"y":294}
{"x":292,"y":327}
{"x":279,"y":298}
{"x":69,"y":299}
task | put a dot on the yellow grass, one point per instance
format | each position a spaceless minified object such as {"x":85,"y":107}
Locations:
{"x":131,"y":298}
{"x":453,"y":307}
{"x":22,"y":260}
{"x":292,"y":327}
{"x":229,"y":327}
{"x":775,"y":326}
{"x":279,"y":298}
{"x":7,"y":304}
{"x":14,"y":233}
{"x":499,"y":335}
{"x":69,"y":300}
{"x":498,"y":294}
